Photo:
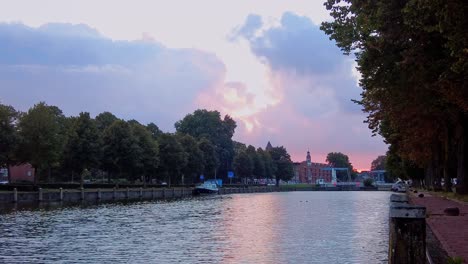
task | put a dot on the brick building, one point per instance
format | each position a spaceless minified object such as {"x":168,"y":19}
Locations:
{"x":311,"y":172}
{"x":20,"y":173}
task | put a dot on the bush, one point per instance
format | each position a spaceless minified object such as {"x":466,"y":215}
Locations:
{"x":368,"y":182}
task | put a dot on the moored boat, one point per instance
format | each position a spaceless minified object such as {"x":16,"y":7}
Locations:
{"x":208,"y":187}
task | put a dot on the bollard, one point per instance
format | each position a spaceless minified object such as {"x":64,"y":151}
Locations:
{"x":173,"y":192}
{"x":99,"y":194}
{"x":15,"y":195}
{"x":141,"y":192}
{"x":152,"y":193}
{"x":114,"y":194}
{"x":40,"y":195}
{"x":164,"y":193}
{"x":407,"y":241}
{"x":127,"y":195}
{"x":61,"y":194}
{"x":182,"y":192}
{"x":82,"y":194}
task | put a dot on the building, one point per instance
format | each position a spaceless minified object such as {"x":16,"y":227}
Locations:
{"x":21,"y":173}
{"x":311,"y":172}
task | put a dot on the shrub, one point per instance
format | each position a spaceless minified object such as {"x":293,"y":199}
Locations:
{"x":368,"y":182}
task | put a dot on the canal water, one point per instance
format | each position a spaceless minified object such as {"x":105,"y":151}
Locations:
{"x":286,"y":227}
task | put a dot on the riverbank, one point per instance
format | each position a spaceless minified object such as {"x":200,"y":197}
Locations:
{"x":128,"y":194}
{"x":450,"y":231}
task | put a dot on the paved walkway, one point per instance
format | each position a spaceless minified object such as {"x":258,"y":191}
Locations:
{"x":451,"y":231}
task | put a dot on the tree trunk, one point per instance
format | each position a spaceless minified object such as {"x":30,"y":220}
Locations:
{"x":36,"y":175}
{"x":82,"y":179}
{"x":49,"y":174}
{"x":446,"y":166}
{"x":462,"y":156}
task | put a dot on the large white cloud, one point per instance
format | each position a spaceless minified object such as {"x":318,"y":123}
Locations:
{"x":315,"y":84}
{"x":77,"y":69}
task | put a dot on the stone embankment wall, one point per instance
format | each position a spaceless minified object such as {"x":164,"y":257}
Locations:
{"x":94,"y":195}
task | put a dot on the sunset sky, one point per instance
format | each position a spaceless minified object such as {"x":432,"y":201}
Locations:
{"x":266,"y":63}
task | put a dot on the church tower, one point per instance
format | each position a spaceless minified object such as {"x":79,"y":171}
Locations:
{"x":309,"y":163}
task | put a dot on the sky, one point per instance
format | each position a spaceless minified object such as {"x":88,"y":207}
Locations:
{"x":265,"y":63}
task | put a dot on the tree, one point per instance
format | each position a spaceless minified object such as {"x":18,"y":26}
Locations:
{"x":282,"y":163}
{"x":340,"y":160}
{"x":243,"y":165}
{"x":154,"y":130}
{"x":413,"y":63}
{"x":173,"y":157}
{"x":270,"y":166}
{"x":259,"y":164}
{"x":42,"y":135}
{"x":210,"y":159}
{"x":195,"y":157}
{"x":83,"y":149}
{"x":379,"y":163}
{"x":148,"y":149}
{"x":8,"y":137}
{"x":209,"y":125}
{"x":105,"y":120}
{"x":120,"y":149}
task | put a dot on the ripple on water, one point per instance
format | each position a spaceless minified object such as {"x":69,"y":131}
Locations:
{"x":295,"y":227}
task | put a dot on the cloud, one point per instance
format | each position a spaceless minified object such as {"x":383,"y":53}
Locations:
{"x":78,"y":69}
{"x":314,"y":84}
{"x":252,"y":24}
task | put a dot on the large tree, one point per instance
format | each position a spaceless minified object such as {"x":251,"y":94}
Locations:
{"x":120,"y":150}
{"x":243,"y":165}
{"x":210,"y":159}
{"x":282,"y":164}
{"x":340,"y":160}
{"x":413,"y":63}
{"x":209,"y":125}
{"x":147,"y":160}
{"x":83,"y":148}
{"x":379,"y":163}
{"x":173,"y":158}
{"x":8,"y":137}
{"x":43,"y":136}
{"x":195,"y":158}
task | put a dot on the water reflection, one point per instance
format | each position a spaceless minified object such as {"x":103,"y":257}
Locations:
{"x":296,"y":227}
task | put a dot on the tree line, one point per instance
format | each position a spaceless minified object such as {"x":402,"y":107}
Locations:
{"x":412,"y":56}
{"x":61,"y":148}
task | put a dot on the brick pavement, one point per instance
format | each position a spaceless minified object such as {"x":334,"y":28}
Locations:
{"x":451,"y":231}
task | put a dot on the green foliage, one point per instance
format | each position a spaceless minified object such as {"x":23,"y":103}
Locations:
{"x":455,"y":260}
{"x":282,"y":164}
{"x":120,"y":149}
{"x":195,"y":157}
{"x":379,"y":163}
{"x":42,"y":135}
{"x":105,"y":120}
{"x":340,"y":160}
{"x":83,"y":149}
{"x":243,"y":165}
{"x":147,"y":159}
{"x":209,"y":125}
{"x":154,"y":130}
{"x":173,"y":158}
{"x":8,"y":136}
{"x":127,"y":151}
{"x":413,"y":63}
{"x":210,"y":159}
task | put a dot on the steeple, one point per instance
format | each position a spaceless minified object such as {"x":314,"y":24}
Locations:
{"x":308,"y":159}
{"x":268,"y":146}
